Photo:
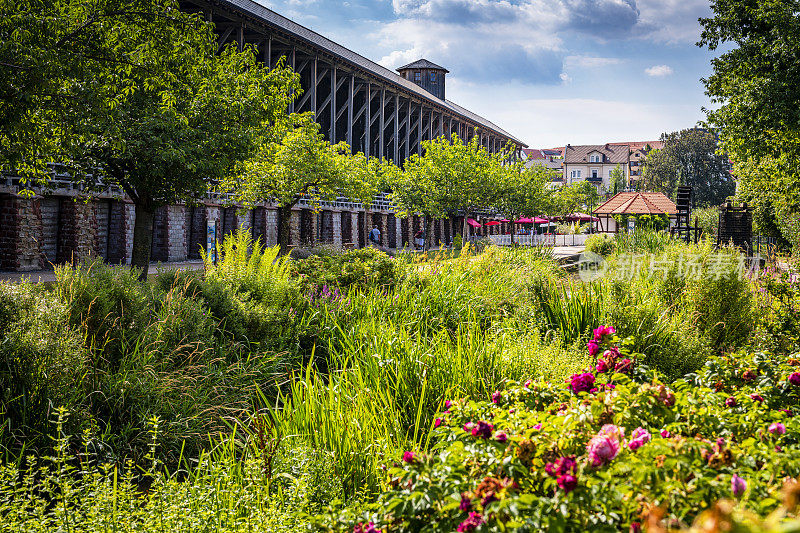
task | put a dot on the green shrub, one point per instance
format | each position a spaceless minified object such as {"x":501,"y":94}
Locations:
{"x":365,"y":267}
{"x":597,"y":456}
{"x":707,"y":219}
{"x":458,"y":242}
{"x":43,"y":361}
{"x":600,"y":244}
{"x":109,"y":304}
{"x":642,"y":241}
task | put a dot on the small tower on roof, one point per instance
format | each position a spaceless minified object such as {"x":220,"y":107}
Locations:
{"x":427,"y":75}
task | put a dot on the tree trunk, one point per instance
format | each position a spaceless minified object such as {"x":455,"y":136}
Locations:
{"x":511,"y":223}
{"x":285,"y":225}
{"x":142,"y":239}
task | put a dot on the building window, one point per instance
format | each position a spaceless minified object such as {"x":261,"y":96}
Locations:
{"x":433,"y":77}
{"x":594,"y":172}
{"x":594,"y":158}
{"x":417,"y":76}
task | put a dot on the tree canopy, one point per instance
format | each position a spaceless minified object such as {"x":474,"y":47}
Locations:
{"x":689,"y":157}
{"x":136,"y":93}
{"x":300,"y":163}
{"x":755,"y":86}
{"x":450,"y":176}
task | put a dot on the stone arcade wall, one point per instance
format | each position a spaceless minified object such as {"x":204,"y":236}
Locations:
{"x":38,"y":232}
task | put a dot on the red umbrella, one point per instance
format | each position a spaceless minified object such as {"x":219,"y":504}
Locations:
{"x":525,"y":220}
{"x":537,"y":220}
{"x":474,"y":223}
{"x":582,"y":217}
{"x":492,"y":223}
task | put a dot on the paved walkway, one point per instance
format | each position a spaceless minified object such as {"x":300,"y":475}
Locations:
{"x":42,"y":276}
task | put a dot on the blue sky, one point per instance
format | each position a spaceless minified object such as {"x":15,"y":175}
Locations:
{"x":550,"y":72}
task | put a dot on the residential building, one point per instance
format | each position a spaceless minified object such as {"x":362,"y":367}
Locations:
{"x":595,"y":163}
{"x":638,"y":155}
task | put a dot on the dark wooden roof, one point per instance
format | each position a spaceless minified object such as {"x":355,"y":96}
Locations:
{"x":420,"y":64}
{"x":281,"y":23}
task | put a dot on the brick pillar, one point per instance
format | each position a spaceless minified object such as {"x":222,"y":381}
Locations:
{"x":77,"y":239}
{"x":176,"y":233}
{"x":197,"y":231}
{"x":20,"y":233}
{"x":270,"y":226}
{"x":244,"y":220}
{"x":399,"y":231}
{"x":354,"y":228}
{"x":337,"y":227}
{"x":260,"y":225}
{"x":294,"y":225}
{"x":159,"y":250}
{"x":117,"y":233}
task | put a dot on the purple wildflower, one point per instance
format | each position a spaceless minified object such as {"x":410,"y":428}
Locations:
{"x":738,"y":485}
{"x":582,"y":382}
{"x":471,"y":523}
{"x":482,"y":430}
{"x":777,"y":428}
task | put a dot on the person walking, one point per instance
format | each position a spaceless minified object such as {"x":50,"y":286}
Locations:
{"x":419,"y":239}
{"x":375,"y":236}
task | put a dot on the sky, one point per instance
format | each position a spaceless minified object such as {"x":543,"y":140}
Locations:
{"x":550,"y":72}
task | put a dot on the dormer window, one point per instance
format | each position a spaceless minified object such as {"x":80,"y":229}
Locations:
{"x":594,"y":158}
{"x":433,"y":77}
{"x":417,"y":76}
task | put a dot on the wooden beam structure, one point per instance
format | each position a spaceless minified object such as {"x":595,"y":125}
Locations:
{"x":371,"y":108}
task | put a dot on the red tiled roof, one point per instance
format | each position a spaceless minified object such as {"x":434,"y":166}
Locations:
{"x":638,"y":145}
{"x":533,"y":153}
{"x":637,"y":203}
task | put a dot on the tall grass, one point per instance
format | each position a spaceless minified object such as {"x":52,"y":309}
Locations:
{"x":642,"y":241}
{"x":571,"y":308}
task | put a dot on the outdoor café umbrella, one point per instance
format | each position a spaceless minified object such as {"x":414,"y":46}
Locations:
{"x":582,"y":217}
{"x":493,"y":223}
{"x":474,"y":223}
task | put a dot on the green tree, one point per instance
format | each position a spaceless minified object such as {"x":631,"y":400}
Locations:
{"x":755,"y":87}
{"x":144,"y":101}
{"x":449,"y":177}
{"x":689,"y":157}
{"x":578,"y":196}
{"x":302,"y":164}
{"x":523,"y":192}
{"x":617,"y":180}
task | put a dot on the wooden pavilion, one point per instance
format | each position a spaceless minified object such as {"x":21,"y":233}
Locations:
{"x":633,"y":203}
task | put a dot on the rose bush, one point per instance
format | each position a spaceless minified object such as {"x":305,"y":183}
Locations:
{"x":606,"y":451}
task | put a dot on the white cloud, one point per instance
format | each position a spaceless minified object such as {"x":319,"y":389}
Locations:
{"x":590,"y":62}
{"x":551,"y":122}
{"x":672,"y":21}
{"x":565,"y":78}
{"x":659,"y":71}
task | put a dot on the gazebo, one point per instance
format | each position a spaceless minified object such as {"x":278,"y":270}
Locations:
{"x":634,"y":203}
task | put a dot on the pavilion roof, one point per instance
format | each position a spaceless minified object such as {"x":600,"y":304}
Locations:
{"x":637,"y":203}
